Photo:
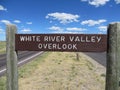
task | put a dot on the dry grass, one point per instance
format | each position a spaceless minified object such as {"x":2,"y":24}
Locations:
{"x":61,"y":71}
{"x":2,"y":47}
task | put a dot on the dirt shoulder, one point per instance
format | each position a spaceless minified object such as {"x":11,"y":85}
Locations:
{"x":61,"y":71}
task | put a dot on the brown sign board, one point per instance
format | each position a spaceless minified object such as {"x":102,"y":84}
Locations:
{"x":61,"y":42}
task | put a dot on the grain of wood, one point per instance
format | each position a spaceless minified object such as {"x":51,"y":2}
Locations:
{"x":12,"y":75}
{"x":113,"y":57}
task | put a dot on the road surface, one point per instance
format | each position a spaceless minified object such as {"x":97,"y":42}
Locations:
{"x":99,"y":57}
{"x":23,"y":57}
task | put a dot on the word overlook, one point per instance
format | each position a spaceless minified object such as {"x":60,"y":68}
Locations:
{"x":58,"y":42}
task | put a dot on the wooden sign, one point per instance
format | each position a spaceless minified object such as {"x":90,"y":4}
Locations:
{"x":65,"y":42}
{"x":61,"y":42}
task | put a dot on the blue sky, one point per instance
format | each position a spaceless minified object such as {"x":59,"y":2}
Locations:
{"x":59,"y":16}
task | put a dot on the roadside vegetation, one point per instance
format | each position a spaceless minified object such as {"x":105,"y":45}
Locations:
{"x":2,"y":47}
{"x":60,"y":71}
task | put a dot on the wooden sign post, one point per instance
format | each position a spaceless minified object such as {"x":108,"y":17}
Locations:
{"x":113,"y":58}
{"x":12,"y":71}
{"x":77,"y":56}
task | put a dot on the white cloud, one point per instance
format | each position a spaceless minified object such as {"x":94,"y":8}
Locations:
{"x":96,"y":3}
{"x":84,"y":0}
{"x":101,"y":33}
{"x":29,"y":23}
{"x":102,"y":28}
{"x":5,"y":21}
{"x":26,"y":30}
{"x":1,"y":31}
{"x":93,"y":22}
{"x":70,"y":32}
{"x":64,"y":18}
{"x":56,"y":28}
{"x":2,"y":8}
{"x":17,"y":21}
{"x":51,"y":21}
{"x":114,"y":22}
{"x":117,"y":1}
{"x":75,"y":29}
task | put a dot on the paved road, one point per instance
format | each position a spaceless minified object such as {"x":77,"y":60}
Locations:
{"x":23,"y":57}
{"x":99,"y":57}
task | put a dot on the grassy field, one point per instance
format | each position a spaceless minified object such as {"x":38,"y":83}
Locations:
{"x":2,"y":47}
{"x":60,"y":71}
